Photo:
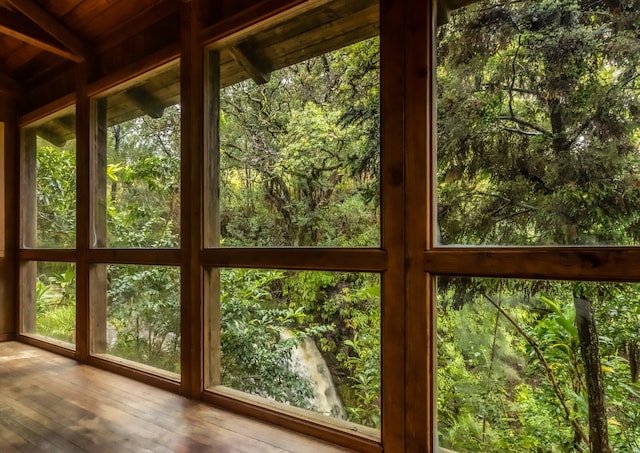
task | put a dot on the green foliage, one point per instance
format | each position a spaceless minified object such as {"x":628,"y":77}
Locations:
{"x":297,"y":168}
{"x":340,"y":311}
{"x":538,"y":127}
{"x":144,"y":311}
{"x":56,"y":195}
{"x":254,"y":357}
{"x":56,"y":301}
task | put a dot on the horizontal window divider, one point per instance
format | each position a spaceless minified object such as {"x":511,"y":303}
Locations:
{"x":356,"y":437}
{"x":48,"y":255}
{"x":559,"y":263}
{"x":168,"y":257}
{"x":330,"y":259}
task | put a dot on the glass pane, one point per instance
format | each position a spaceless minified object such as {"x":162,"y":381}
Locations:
{"x":300,"y":153}
{"x":306,"y":339}
{"x":139,"y":186}
{"x":49,"y":220}
{"x":519,"y":362}
{"x":539,"y":124}
{"x":142,"y":318}
{"x":49,"y":300}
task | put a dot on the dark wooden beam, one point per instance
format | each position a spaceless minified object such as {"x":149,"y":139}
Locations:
{"x":146,"y":102}
{"x":51,"y":25}
{"x":52,"y":136}
{"x":67,"y":122}
{"x":19,"y":27}
{"x":252,"y":65}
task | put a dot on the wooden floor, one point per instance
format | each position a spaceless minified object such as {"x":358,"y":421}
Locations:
{"x":49,"y":403}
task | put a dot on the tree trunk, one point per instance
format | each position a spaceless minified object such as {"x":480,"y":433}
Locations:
{"x":586,"y":324}
{"x":634,"y":358}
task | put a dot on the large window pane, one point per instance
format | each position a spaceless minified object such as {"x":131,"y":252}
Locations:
{"x":49,"y":182}
{"x":518,"y":362}
{"x":538,"y":124}
{"x":141,"y":320}
{"x":306,"y":339}
{"x":137,"y":163}
{"x":49,"y":301}
{"x":300,"y":153}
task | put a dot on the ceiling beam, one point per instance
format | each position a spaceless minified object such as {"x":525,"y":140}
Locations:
{"x":52,"y":137}
{"x":19,"y":27}
{"x":146,"y":102}
{"x":51,"y":25}
{"x":255,"y":68}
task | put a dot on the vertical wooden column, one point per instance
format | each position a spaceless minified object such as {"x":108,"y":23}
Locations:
{"x":211,"y":226}
{"x":98,"y":215}
{"x":83,"y":220}
{"x":28,"y":230}
{"x":420,"y":365}
{"x":192,"y":93}
{"x":392,"y":220}
{"x":8,"y":215}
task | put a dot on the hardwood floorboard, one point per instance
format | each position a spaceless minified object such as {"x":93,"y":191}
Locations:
{"x":49,"y":403}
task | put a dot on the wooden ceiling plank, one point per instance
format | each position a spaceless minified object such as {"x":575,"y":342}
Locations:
{"x":51,"y":25}
{"x":20,"y":28}
{"x":254,"y":68}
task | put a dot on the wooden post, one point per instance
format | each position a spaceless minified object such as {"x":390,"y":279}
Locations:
{"x":420,"y":305}
{"x":83,"y":221}
{"x":392,"y":161}
{"x":191,"y":240}
{"x":211,"y":216}
{"x":8,"y":214}
{"x":98,"y":209}
{"x":28,"y":229}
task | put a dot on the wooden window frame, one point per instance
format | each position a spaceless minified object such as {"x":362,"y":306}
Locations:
{"x":28,"y":253}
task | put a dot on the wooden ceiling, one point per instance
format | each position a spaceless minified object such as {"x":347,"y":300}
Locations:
{"x":42,"y":36}
{"x":36,"y":35}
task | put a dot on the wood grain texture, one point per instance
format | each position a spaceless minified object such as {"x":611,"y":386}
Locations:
{"x":51,"y":403}
{"x":392,"y":160}
{"x":364,"y":260}
{"x":561,"y":263}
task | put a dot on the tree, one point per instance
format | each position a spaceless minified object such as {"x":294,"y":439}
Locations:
{"x":538,"y":130}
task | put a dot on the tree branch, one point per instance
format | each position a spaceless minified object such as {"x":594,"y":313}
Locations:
{"x":535,"y":127}
{"x":552,"y":378}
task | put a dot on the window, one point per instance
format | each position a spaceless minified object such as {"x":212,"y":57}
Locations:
{"x":137,"y":164}
{"x":49,"y":183}
{"x":142,"y":319}
{"x":48,"y":224}
{"x":538,"y":126}
{"x":538,"y":131}
{"x":136,"y":200}
{"x":292,"y":173}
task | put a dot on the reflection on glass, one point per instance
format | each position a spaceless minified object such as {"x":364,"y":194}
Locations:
{"x":55,"y":301}
{"x":518,"y":361}
{"x":143,"y":315}
{"x":538,"y":125}
{"x":140,"y":193}
{"x":300,"y":154}
{"x":306,"y":339}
